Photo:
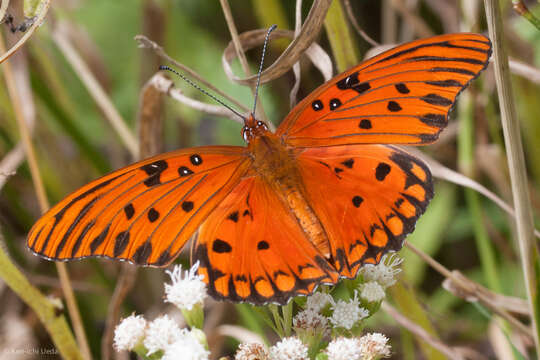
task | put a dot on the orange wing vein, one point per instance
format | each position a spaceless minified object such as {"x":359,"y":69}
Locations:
{"x":402,"y":96}
{"x":251,"y":248}
{"x":373,"y":196}
{"x":143,"y":213}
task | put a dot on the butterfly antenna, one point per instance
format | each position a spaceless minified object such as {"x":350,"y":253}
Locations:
{"x":272,"y":28}
{"x":165,"y":67}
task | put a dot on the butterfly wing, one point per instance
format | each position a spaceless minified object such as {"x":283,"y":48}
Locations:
{"x":143,"y":213}
{"x":402,"y":96}
{"x":373,"y":195}
{"x":251,"y":248}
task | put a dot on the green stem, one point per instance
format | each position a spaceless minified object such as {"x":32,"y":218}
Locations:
{"x":466,"y":160}
{"x":53,"y":319}
{"x":340,"y":37}
{"x":516,"y":164}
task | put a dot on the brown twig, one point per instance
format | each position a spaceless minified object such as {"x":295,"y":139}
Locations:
{"x":528,"y":248}
{"x":310,"y":29}
{"x":242,"y":57}
{"x":417,"y":330}
{"x":166,"y":86}
{"x":144,"y":42}
{"x":527,"y":71}
{"x":474,"y":291}
{"x":359,"y":30}
{"x":296,"y":67}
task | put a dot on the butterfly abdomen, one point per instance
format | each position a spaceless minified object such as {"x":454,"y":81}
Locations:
{"x":276,"y":164}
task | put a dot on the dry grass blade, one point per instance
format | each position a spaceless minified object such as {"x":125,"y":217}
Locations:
{"x":44,"y":8}
{"x":525,"y":70}
{"x":421,"y":333}
{"x":144,"y":42}
{"x":442,"y":172}
{"x":296,"y":67}
{"x":516,"y":164}
{"x":464,"y":285}
{"x":253,"y":38}
{"x":10,"y":163}
{"x":21,"y":103}
{"x":296,"y":48}
{"x":94,"y":88}
{"x":239,"y":333}
{"x":166,"y":86}
{"x":350,"y":14}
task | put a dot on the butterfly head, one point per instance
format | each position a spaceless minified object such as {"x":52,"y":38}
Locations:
{"x":253,"y":128}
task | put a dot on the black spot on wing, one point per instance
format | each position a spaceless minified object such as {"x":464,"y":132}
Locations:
{"x":129,"y":210}
{"x":263,"y":245}
{"x":142,"y":253}
{"x":187,"y":206}
{"x":221,"y":246}
{"x":402,"y":88}
{"x":382,"y":170}
{"x":435,"y":120}
{"x":80,"y":238}
{"x":335,"y":103}
{"x":317,"y":105}
{"x":164,"y":258}
{"x":348,"y":163}
{"x":435,"y":99}
{"x":357,"y":200}
{"x":393,"y":106}
{"x":233,"y":216}
{"x":154,"y":171}
{"x":196,"y":159}
{"x":445,"y":83}
{"x":184,"y":171}
{"x":98,"y":240}
{"x":365,"y":124}
{"x":153,"y":215}
{"x":120,"y":243}
{"x":72,"y":226}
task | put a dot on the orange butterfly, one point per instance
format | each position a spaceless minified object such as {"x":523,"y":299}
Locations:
{"x":303,"y":206}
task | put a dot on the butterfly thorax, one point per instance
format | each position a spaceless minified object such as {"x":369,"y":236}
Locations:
{"x":275,"y":162}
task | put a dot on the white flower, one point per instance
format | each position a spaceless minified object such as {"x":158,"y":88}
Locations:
{"x":372,"y":291}
{"x":251,"y":351}
{"x":161,"y":333}
{"x":347,"y":314}
{"x":309,"y":319}
{"x":318,"y":301}
{"x":374,"y":346}
{"x":290,"y":348}
{"x":129,"y":332}
{"x":186,"y":347}
{"x":187,"y":288}
{"x":344,"y":349}
{"x":384,"y":272}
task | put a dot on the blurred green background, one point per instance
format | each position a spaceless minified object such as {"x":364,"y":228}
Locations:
{"x":75,"y":144}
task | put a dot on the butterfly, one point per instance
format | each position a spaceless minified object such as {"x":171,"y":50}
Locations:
{"x":306,"y":205}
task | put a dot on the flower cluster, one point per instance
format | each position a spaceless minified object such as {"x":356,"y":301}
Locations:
{"x":326,"y":327}
{"x":163,"y":335}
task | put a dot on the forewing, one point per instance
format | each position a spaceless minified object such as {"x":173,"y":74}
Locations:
{"x":143,"y":213}
{"x":367,"y":197}
{"x":402,"y":96}
{"x":251,"y":248}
